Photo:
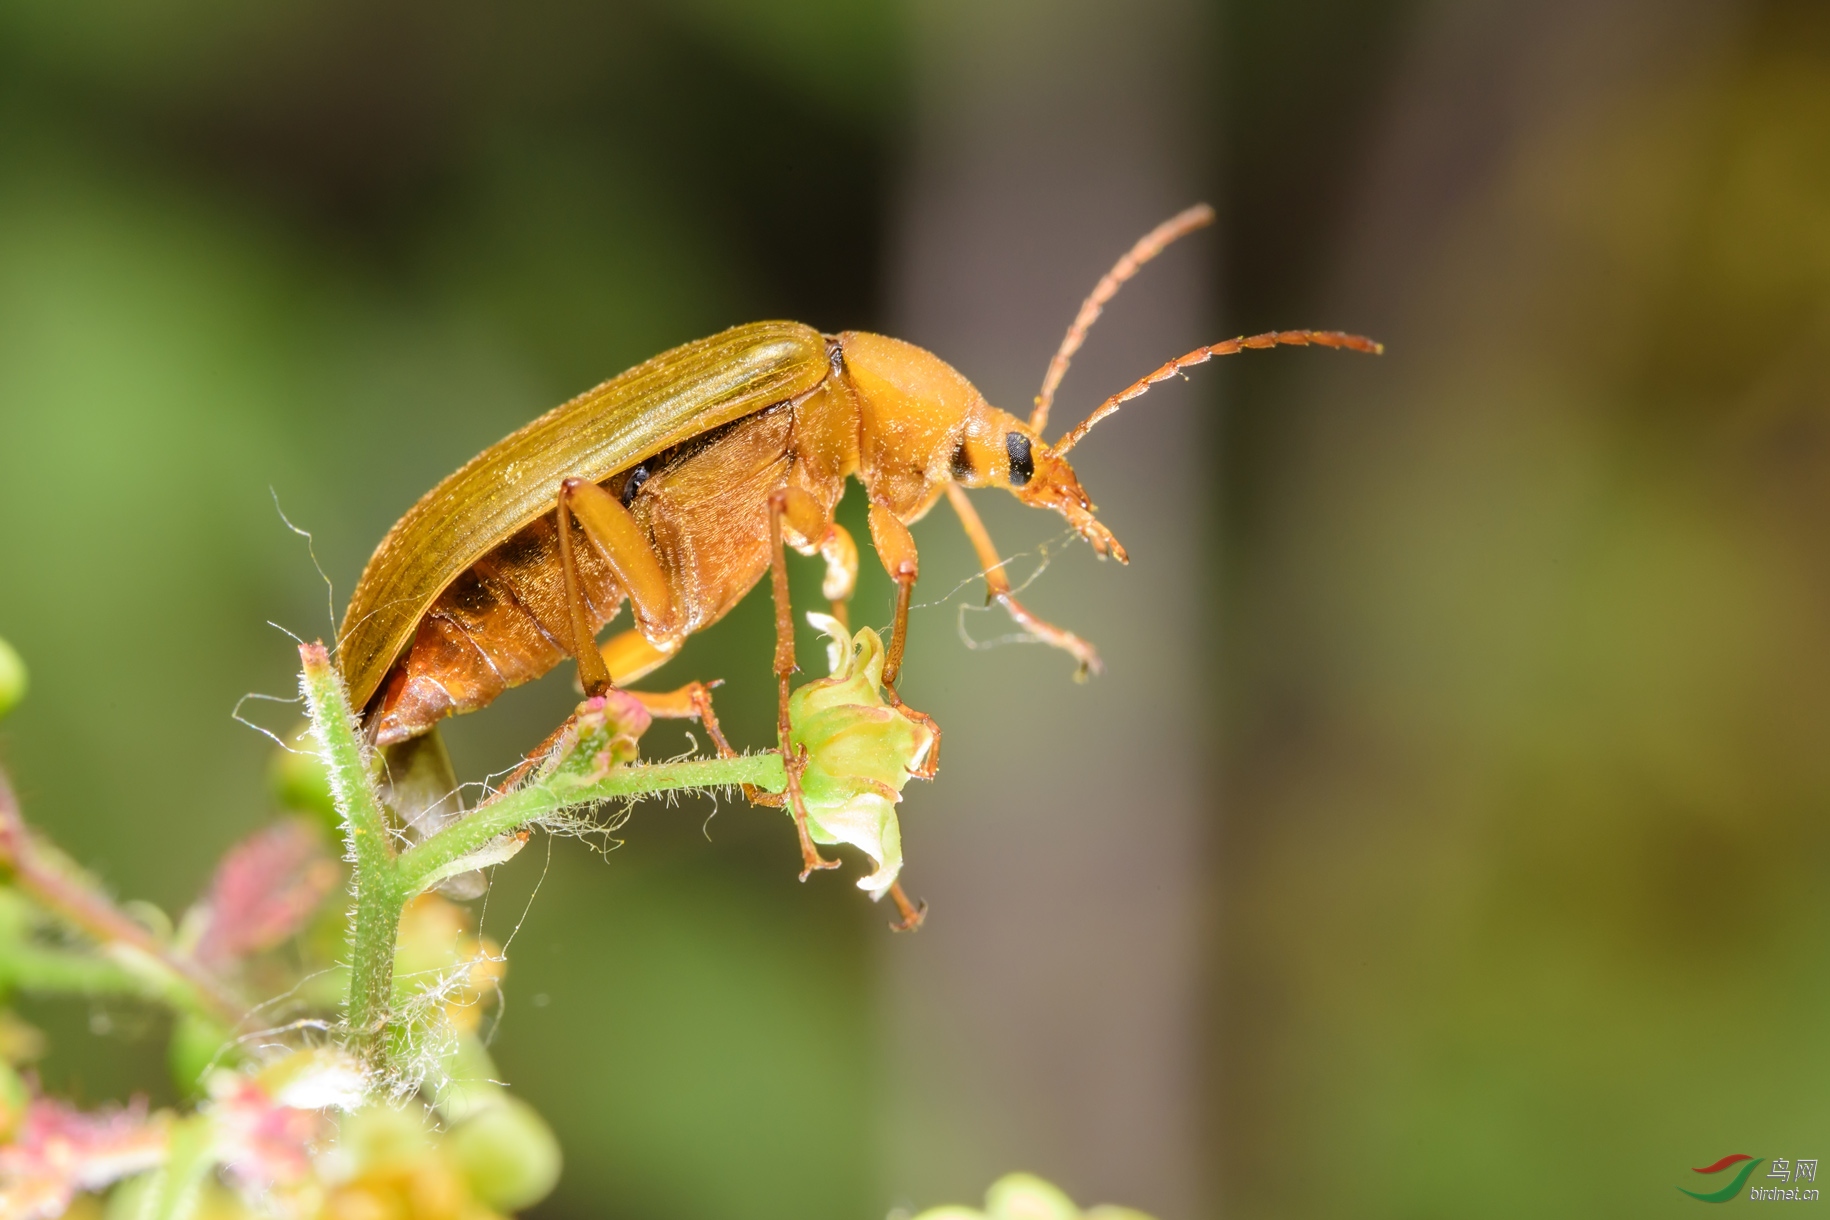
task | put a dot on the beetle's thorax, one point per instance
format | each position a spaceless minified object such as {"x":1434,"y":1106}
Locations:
{"x":921,"y":425}
{"x":912,"y":411}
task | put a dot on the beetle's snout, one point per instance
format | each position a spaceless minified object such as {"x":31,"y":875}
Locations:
{"x":1056,"y":486}
{"x":1101,"y":539}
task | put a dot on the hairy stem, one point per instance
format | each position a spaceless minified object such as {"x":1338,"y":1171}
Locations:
{"x":60,"y":887}
{"x":365,"y":832}
{"x":384,"y":882}
{"x":543,"y":798}
{"x":177,"y":1185}
{"x":31,"y":968}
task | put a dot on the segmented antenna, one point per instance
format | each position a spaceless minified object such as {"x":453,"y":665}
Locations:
{"x":1148,"y":247}
{"x":1201,"y":355}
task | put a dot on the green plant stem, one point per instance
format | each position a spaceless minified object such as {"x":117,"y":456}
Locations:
{"x":384,"y":882}
{"x":56,"y":972}
{"x":545,"y":798}
{"x":365,"y":831}
{"x":177,"y":1185}
{"x":59,"y":886}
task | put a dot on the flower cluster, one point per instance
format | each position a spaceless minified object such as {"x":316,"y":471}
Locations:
{"x":861,"y":750}
{"x":294,"y":1139}
{"x":363,"y":1088}
{"x":1022,"y":1196}
{"x":57,"y":1151}
{"x":289,"y":1125}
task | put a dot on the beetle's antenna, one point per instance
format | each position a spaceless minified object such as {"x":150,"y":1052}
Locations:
{"x":1148,"y":247}
{"x":1201,"y":355}
{"x":330,"y":592}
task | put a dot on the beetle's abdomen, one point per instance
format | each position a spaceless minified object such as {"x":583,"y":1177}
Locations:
{"x":704,"y":508}
{"x":502,"y":622}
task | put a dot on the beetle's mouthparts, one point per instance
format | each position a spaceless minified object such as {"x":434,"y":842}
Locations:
{"x":1056,"y":487}
{"x":1098,"y":536}
{"x":1079,"y":513}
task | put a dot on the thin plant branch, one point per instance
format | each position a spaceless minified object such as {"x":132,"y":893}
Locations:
{"x":60,"y":887}
{"x":579,"y":772}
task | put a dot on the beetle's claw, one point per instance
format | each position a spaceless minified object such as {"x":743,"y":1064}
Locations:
{"x":813,"y":861}
{"x":913,"y":915}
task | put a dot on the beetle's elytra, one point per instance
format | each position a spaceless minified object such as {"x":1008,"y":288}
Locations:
{"x":674,"y":487}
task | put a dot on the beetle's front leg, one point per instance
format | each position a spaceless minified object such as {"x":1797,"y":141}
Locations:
{"x":911,"y":915}
{"x":811,"y":532}
{"x":841,"y":556}
{"x":997,"y":588}
{"x":802,"y":513}
{"x":896,"y":548}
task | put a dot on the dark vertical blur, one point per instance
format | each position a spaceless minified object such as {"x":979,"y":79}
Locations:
{"x":1525,"y":819}
{"x":1047,"y":1016}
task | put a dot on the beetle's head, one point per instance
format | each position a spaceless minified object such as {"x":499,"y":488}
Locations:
{"x":1000,"y":450}
{"x":919,"y":408}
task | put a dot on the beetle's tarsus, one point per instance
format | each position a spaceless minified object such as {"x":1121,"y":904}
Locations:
{"x":930,"y":763}
{"x":913,"y":915}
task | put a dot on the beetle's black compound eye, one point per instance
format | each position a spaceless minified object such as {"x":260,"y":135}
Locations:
{"x":637,"y":477}
{"x":1022,"y":464}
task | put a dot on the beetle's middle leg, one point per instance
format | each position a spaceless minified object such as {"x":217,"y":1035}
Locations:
{"x":690,"y":702}
{"x":801,"y":512}
{"x":997,"y":588}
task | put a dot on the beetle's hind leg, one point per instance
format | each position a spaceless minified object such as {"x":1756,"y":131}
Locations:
{"x":630,"y":556}
{"x":802,"y":513}
{"x":593,"y":674}
{"x":638,"y":570}
{"x":997,"y":589}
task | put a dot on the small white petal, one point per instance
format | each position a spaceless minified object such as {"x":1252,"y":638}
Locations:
{"x":868,"y":823}
{"x":838,"y":640}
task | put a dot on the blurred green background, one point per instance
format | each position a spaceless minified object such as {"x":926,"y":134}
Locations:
{"x":1513,"y":868}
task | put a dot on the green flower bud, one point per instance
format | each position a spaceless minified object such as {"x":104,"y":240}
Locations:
{"x":128,"y":1200}
{"x":300,"y":780}
{"x":508,"y":1154}
{"x":19,"y":1042}
{"x":1024,"y":1196}
{"x":861,"y":750}
{"x":380,"y":1136}
{"x":13,"y":1100}
{"x":197,"y":1045}
{"x":12,"y":678}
